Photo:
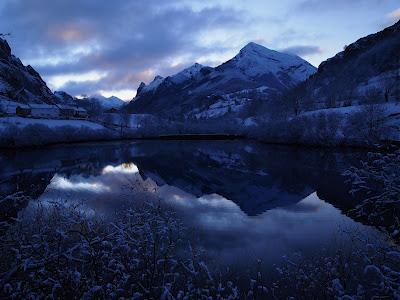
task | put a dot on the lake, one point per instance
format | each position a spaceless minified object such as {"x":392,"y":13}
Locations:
{"x":241,"y":200}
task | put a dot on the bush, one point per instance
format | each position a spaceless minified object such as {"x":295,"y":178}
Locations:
{"x":377,"y":183}
{"x":58,"y":251}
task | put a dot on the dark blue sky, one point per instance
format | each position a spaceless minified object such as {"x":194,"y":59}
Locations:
{"x":108,"y":47}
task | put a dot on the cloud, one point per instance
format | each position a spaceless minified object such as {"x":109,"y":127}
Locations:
{"x":394,"y":15}
{"x":133,"y":40}
{"x":121,"y":38}
{"x":323,"y":5}
{"x":302,"y":50}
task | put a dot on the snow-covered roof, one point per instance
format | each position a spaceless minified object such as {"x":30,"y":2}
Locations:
{"x":12,"y":104}
{"x":63,"y":106}
{"x":42,"y":106}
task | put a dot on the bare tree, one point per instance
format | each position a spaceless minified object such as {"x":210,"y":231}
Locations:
{"x":373,"y":95}
{"x":374,"y":115}
{"x":108,"y":119}
{"x":296,"y":106}
{"x":124,"y":120}
{"x":389,"y":87}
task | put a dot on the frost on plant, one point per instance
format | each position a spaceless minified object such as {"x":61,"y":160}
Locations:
{"x":61,"y":252}
{"x":377,"y":183}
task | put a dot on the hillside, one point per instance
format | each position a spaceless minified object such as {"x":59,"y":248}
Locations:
{"x":21,"y":83}
{"x":365,"y":71}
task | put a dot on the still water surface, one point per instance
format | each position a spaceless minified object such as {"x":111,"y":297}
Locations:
{"x":241,"y":200}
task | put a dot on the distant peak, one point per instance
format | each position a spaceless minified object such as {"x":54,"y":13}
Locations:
{"x":114,"y":98}
{"x":254,"y":46}
{"x":195,"y":66}
{"x":188,"y":72}
{"x":5,"y":50}
{"x":254,"y":50}
{"x":158,"y":77}
{"x":251,"y":45}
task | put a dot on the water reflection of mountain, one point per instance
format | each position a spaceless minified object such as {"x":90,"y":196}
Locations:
{"x":256,"y":177}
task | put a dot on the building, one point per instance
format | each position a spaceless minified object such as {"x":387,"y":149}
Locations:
{"x":66,"y":111}
{"x":44,"y":111}
{"x":8,"y":107}
{"x":80,"y":113}
{"x":112,"y":110}
{"x":23,"y":110}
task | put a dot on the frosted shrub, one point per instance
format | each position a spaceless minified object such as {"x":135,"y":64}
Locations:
{"x":377,"y":183}
{"x":64,"y":253}
{"x":365,"y":271}
{"x":61,"y":251}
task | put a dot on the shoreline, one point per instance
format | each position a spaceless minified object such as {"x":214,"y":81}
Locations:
{"x":392,"y":145}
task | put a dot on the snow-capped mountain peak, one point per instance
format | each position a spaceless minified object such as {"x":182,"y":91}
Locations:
{"x":254,"y":60}
{"x":253,"y":67}
{"x":109,"y":102}
{"x":186,"y":74}
{"x":254,"y":48}
{"x":152,"y":86}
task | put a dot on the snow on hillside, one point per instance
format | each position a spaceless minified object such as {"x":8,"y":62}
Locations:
{"x":387,"y":113}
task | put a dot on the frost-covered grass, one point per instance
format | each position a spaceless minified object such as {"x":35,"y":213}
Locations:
{"x":62,"y":252}
{"x":365,"y":271}
{"x":59,"y":251}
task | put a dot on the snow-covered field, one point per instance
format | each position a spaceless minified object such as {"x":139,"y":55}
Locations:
{"x":53,"y":123}
{"x":388,"y":114}
{"x":18,"y":131}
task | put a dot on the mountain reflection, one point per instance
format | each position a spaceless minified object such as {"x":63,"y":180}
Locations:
{"x":255,"y":177}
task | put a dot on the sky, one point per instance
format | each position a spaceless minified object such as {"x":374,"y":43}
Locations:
{"x":90,"y":47}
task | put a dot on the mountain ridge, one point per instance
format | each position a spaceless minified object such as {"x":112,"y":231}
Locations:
{"x":253,"y":67}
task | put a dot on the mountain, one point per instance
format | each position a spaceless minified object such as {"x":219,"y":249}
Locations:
{"x":197,"y":88}
{"x":108,"y":102}
{"x":367,"y":70}
{"x":21,"y":83}
{"x":98,"y":100}
{"x":65,"y":98}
